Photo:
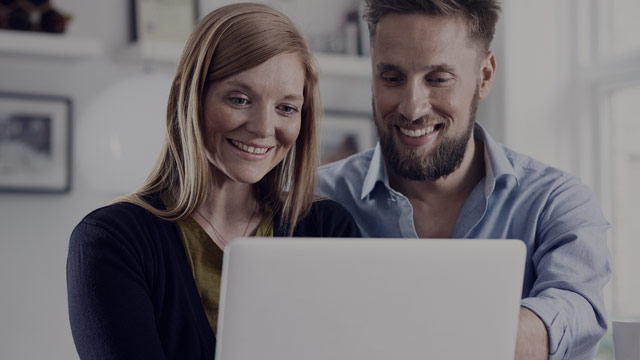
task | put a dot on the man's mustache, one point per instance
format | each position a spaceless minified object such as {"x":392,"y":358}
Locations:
{"x":397,"y":119}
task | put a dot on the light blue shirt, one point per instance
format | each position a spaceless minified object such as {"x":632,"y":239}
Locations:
{"x":552,"y":212}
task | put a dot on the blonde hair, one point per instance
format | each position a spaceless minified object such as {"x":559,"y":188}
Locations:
{"x":227,"y":41}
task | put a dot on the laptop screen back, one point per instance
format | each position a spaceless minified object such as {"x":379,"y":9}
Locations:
{"x":368,"y":299}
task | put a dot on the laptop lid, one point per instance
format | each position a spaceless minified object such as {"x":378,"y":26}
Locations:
{"x":369,"y":299}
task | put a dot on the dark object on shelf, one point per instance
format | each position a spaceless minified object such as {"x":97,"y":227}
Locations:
{"x":18,"y":19}
{"x":3,"y":17}
{"x":53,"y":22}
{"x":38,"y":2}
{"x":32,"y":15}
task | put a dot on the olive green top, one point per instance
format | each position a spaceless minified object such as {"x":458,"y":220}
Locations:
{"x":205,"y":258}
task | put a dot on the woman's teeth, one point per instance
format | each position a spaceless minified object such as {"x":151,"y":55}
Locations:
{"x":250,"y":149}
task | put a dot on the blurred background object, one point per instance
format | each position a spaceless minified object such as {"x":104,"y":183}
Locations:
{"x":32,"y":15}
{"x":121,"y":143}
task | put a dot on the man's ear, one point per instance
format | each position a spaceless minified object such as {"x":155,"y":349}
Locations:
{"x":487,"y":74}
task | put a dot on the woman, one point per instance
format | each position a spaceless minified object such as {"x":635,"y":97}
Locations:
{"x":143,"y":273}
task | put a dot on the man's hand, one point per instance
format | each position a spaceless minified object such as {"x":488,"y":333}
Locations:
{"x":532,"y":342}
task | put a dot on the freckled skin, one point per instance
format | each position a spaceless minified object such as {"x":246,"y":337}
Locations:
{"x":259,"y":108}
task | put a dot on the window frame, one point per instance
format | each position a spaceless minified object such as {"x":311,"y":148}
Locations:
{"x":601,"y":73}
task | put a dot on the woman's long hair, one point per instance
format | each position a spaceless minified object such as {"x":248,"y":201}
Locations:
{"x":227,"y":41}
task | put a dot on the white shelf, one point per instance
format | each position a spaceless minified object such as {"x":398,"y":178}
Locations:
{"x":48,"y":45}
{"x":155,"y":51}
{"x":329,"y":64}
{"x":344,"y":65}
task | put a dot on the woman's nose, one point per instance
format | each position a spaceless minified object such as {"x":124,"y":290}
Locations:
{"x":262,"y":122}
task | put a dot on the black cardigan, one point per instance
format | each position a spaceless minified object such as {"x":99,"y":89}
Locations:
{"x":131,"y":291}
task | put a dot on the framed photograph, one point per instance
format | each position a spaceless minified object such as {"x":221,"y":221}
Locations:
{"x":35,"y":143}
{"x":345,"y":133}
{"x":162,"y":20}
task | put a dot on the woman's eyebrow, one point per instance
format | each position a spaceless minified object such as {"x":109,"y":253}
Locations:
{"x":246,"y":87}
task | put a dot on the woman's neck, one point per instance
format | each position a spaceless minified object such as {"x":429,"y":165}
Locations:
{"x":229,"y":210}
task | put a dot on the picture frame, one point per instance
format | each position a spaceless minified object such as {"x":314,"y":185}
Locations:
{"x":344,"y":133}
{"x":162,"y":20}
{"x":35,"y":143}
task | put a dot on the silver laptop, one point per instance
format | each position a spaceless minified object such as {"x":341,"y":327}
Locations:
{"x":369,"y":299}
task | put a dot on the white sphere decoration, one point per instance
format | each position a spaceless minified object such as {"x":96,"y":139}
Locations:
{"x":121,"y":132}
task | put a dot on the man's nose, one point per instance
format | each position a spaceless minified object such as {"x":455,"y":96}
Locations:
{"x":415,"y":100}
{"x":262,"y":122}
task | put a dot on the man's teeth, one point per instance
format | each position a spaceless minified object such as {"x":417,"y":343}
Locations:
{"x":417,"y":132}
{"x":249,"y":149}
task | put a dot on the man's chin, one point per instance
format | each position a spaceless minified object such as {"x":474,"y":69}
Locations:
{"x":416,"y":153}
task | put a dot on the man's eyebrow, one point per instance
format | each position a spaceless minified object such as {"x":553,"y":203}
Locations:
{"x":382,"y":66}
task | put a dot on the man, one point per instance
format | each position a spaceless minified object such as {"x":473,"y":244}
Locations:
{"x":437,"y":174}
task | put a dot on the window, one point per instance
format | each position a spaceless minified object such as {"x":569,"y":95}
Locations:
{"x":625,"y":181}
{"x":612,"y":75}
{"x":623,"y":25}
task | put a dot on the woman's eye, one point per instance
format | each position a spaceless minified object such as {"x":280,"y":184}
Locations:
{"x":239,"y":100}
{"x":288,"y":109}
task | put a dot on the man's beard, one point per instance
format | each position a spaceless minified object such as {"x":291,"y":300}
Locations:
{"x":413,"y":164}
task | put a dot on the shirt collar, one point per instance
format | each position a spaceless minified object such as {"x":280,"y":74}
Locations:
{"x":376,"y":172}
{"x":497,"y":165}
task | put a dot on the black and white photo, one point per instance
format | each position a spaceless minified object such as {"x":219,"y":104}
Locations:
{"x":34,"y":143}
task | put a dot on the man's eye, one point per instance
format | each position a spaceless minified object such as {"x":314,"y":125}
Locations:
{"x":391,"y":78}
{"x":439,"y":81}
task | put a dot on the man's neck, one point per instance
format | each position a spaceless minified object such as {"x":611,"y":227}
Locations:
{"x":458,"y":183}
{"x":437,"y":204}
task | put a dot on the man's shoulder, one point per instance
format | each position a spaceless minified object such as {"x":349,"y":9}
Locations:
{"x":538,"y":179}
{"x":526,"y":167}
{"x":353,"y":167}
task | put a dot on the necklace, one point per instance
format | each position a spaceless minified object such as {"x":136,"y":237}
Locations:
{"x":221,"y":241}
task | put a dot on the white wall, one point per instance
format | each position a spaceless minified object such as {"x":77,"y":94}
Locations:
{"x":35,"y":228}
{"x":538,"y":68}
{"x":530,"y":109}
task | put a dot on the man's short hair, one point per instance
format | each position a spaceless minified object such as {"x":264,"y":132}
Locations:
{"x":480,"y":15}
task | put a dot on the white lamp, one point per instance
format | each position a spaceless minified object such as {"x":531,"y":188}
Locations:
{"x":120,"y":133}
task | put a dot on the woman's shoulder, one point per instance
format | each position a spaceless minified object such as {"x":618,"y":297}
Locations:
{"x":326,"y":206}
{"x":327,"y":218}
{"x":121,"y":212}
{"x":121,"y":219}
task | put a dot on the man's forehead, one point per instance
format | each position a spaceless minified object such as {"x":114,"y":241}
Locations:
{"x":395,"y":23}
{"x":419,"y":30}
{"x":421,"y":33}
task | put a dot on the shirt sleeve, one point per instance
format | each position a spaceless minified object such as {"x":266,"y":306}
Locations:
{"x":110,"y":311}
{"x":572,"y":262}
